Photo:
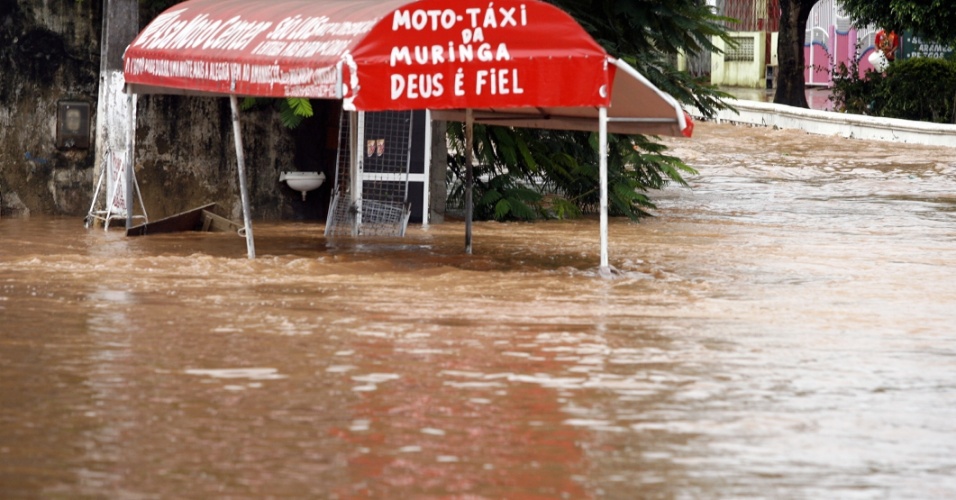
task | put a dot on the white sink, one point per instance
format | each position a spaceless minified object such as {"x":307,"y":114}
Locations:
{"x":303,"y":181}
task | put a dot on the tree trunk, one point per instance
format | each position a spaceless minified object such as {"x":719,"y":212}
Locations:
{"x":793,"y":25}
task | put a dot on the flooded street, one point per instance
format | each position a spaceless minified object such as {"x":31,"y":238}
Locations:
{"x":785,"y":328}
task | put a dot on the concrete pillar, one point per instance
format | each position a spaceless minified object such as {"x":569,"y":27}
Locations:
{"x":120,"y":26}
{"x":437,"y":191}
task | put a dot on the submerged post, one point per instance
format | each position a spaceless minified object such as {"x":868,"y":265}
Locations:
{"x":357,"y":166}
{"x":241,"y":166}
{"x":469,"y":176}
{"x":602,"y":163}
{"x":130,"y":158}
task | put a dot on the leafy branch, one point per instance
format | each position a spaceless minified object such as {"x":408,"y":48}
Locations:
{"x":292,"y":110}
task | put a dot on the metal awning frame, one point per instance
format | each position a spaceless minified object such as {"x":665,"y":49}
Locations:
{"x":543,"y":119}
{"x":631,"y":95}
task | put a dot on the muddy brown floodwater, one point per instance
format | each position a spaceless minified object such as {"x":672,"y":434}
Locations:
{"x":784,"y":328}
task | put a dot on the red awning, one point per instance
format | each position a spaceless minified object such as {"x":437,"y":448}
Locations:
{"x":517,"y":62}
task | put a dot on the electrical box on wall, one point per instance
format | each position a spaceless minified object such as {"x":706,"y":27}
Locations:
{"x":73,"y":125}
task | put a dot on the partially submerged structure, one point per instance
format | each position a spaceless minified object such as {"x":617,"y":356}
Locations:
{"x":521,"y":63}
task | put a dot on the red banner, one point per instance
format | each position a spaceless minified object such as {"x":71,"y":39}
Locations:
{"x":271,"y":48}
{"x":440,"y":54}
{"x":394,"y":54}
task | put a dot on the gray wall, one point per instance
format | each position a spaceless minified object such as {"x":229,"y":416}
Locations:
{"x":50,"y":51}
{"x":185,"y":156}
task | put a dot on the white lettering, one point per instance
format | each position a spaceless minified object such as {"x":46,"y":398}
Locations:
{"x":490,"y":20}
{"x":502,"y":53}
{"x":473,"y":13}
{"x":515,"y":86}
{"x":311,"y":48}
{"x":303,"y":28}
{"x":222,"y":71}
{"x":417,"y":86}
{"x":421,"y":55}
{"x":497,"y":81}
{"x":448,"y":19}
{"x":191,"y":34}
{"x":484,"y":53}
{"x":401,"y":19}
{"x":437,"y":54}
{"x":480,"y":80}
{"x":168,"y":32}
{"x":465,"y":53}
{"x":507,"y":17}
{"x":269,"y":48}
{"x":398,"y":86}
{"x":419,"y":18}
{"x":460,"y":83}
{"x":413,"y":86}
{"x":400,"y":54}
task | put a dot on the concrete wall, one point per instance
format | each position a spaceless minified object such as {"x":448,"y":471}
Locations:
{"x":50,"y":51}
{"x":840,"y":124}
{"x":185,"y":157}
{"x":736,"y":73}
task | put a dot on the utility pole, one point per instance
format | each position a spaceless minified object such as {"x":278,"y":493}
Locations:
{"x":120,"y":26}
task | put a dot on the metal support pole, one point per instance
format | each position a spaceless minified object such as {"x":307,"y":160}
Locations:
{"x":469,"y":176}
{"x":130,"y":156}
{"x":602,"y":162}
{"x":241,"y":166}
{"x":427,"y":163}
{"x":357,"y":168}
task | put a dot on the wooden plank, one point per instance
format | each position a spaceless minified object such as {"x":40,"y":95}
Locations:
{"x":217,"y":223}
{"x":190,"y":220}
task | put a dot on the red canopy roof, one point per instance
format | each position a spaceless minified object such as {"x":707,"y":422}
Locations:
{"x":517,"y":56}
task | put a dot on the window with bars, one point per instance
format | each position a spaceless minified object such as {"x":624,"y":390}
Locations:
{"x":742,"y":51}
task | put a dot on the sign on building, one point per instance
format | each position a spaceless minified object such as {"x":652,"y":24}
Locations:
{"x":915,"y":46}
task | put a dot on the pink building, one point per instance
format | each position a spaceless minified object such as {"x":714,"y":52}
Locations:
{"x":831,"y":40}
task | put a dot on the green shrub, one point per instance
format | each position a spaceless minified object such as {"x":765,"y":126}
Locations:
{"x":524,"y":174}
{"x":918,"y":89}
{"x":852,"y":93}
{"x":921,"y":89}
